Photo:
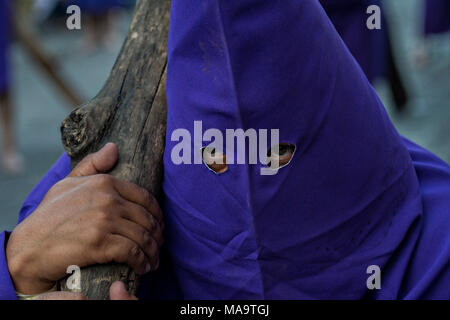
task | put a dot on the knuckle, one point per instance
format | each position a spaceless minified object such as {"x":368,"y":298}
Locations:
{"x":102,"y":180}
{"x":98,"y":235}
{"x":112,"y":250}
{"x":146,"y":195}
{"x":152,"y":201}
{"x":136,"y":256}
{"x":156,"y":210}
{"x":153,"y":251}
{"x":103,"y":218}
{"x":108,"y":200}
{"x":150,"y":223}
{"x":147,"y":198}
{"x":146,"y":238}
{"x":154,"y":225}
{"x":134,"y":251}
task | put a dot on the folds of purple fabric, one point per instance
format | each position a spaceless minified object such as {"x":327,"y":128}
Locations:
{"x":369,"y":47}
{"x":348,"y":199}
{"x":437,"y":16}
{"x":355,"y":195}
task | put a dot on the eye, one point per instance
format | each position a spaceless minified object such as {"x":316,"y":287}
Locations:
{"x":215,"y":160}
{"x":280,"y":155}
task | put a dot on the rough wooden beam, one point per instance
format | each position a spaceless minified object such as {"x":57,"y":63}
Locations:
{"x":130,"y":111}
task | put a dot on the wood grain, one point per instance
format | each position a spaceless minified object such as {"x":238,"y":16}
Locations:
{"x":131,"y":111}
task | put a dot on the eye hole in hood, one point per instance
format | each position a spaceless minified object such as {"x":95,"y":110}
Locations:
{"x":280,"y":155}
{"x":214,"y":160}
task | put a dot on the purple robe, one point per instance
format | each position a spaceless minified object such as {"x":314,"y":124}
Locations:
{"x":437,"y":17}
{"x":355,"y":194}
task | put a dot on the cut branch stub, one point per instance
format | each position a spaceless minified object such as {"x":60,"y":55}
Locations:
{"x":84,"y":125}
{"x":130,"y":111}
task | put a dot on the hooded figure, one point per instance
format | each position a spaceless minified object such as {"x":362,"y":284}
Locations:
{"x":355,"y":197}
{"x":437,"y":16}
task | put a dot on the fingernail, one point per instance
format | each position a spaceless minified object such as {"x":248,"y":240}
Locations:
{"x":148,"y":268}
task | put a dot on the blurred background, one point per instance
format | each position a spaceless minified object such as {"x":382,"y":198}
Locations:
{"x":46,"y":70}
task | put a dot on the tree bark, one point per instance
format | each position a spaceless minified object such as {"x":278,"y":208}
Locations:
{"x":130,"y":110}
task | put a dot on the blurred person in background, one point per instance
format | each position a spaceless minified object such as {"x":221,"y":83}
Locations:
{"x":371,"y":48}
{"x":436,"y":15}
{"x":11,"y":160}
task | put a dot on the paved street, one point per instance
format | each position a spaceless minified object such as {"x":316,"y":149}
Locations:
{"x":40,"y":108}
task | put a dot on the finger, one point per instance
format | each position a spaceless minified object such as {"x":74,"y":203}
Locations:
{"x":61,"y":295}
{"x":142,"y":217}
{"x":141,"y":237}
{"x":138,"y":195}
{"x":99,"y":162}
{"x":117,"y":291}
{"x":123,"y":250}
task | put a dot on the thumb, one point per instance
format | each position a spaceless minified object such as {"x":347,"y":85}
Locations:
{"x":98,"y":162}
{"x":119,"y":292}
